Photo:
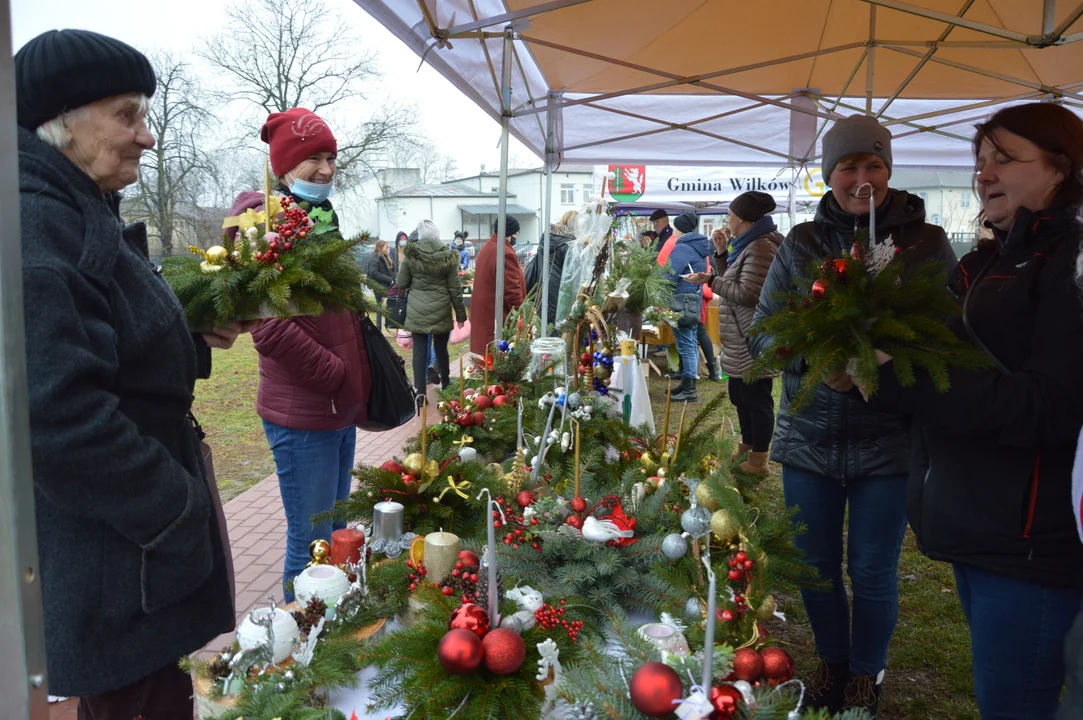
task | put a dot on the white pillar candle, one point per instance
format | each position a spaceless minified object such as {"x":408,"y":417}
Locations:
{"x":708,"y":638}
{"x":468,"y":454}
{"x":441,"y":554}
{"x":387,"y":519}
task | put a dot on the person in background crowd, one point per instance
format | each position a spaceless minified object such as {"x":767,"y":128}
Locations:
{"x":432,"y":376}
{"x":314,"y":377}
{"x":746,"y":259}
{"x":647,"y":239}
{"x":134,"y":571}
{"x":838,"y":451}
{"x":702,"y":338}
{"x":561,"y":235}
{"x":661,"y":227}
{"x":460,"y":247}
{"x":430,"y":271}
{"x":381,"y":271}
{"x":689,"y":256}
{"x":401,"y":238}
{"x":993,"y":455}
{"x":483,"y":304}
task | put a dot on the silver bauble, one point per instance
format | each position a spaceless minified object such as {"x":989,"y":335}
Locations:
{"x":288,"y":674}
{"x":573,"y":400}
{"x":692,"y":610}
{"x":280,"y":687}
{"x":696,"y":520}
{"x":225,"y":657}
{"x":674,"y":546}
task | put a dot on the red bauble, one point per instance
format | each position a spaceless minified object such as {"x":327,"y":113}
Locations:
{"x":505,"y":651}
{"x":777,"y":665}
{"x":501,"y":400}
{"x":578,"y":504}
{"x":392,"y":466}
{"x":483,"y":402}
{"x":410,"y":483}
{"x":469,"y":558}
{"x":575,"y":521}
{"x":747,"y":665}
{"x":479,"y":418}
{"x":726,"y":700}
{"x":495,"y":390}
{"x":469,"y":616}
{"x":460,"y":652}
{"x":524,"y":499}
{"x":654,"y":687}
{"x":840,"y":266}
{"x":819,"y":289}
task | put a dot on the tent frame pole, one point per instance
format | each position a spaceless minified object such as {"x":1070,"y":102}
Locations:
{"x":508,"y":17}
{"x":955,"y":20}
{"x":22,"y":674}
{"x":547,"y":210}
{"x":870,"y":61}
{"x":502,"y":220}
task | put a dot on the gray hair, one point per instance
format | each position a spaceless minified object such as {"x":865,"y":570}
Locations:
{"x":56,"y":133}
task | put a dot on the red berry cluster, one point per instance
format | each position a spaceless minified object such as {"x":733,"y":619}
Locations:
{"x":518,"y":530}
{"x":418,"y":575}
{"x":295,"y":225}
{"x":463,"y":581}
{"x":550,"y":616}
{"x":741,"y":566}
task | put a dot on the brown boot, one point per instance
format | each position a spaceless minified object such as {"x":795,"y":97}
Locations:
{"x":756,"y":464}
{"x":742,"y":449}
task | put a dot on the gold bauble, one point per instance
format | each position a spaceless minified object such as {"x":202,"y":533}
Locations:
{"x":207,"y":267}
{"x":724,"y":526}
{"x":319,"y":550}
{"x":766,"y":609}
{"x":708,"y":463}
{"x":706,"y":498}
{"x":602,"y":372}
{"x":216,"y":255}
{"x":495,"y":467}
{"x":419,"y":468}
{"x":648,"y":463}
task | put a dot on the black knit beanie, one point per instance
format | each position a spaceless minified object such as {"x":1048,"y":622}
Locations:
{"x":752,"y":205}
{"x":511,"y":226}
{"x":686,"y":222}
{"x":61,"y":70}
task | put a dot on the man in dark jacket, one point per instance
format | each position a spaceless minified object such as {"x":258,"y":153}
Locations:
{"x":660,"y":223}
{"x":838,"y":451}
{"x":689,"y":257}
{"x":559,"y":239}
{"x":133,"y":567}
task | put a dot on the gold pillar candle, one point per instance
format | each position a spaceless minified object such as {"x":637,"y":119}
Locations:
{"x":665,"y":428}
{"x":680,"y":429}
{"x":462,"y":386}
{"x":441,"y":554}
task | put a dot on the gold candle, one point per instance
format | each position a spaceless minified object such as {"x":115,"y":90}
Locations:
{"x":267,"y":195}
{"x":485,"y":388}
{"x":680,"y":429}
{"x":576,"y":459}
{"x":441,"y":554}
{"x":665,"y":430}
{"x":462,"y":386}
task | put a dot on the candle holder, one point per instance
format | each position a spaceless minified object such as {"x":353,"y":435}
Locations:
{"x":548,"y":357}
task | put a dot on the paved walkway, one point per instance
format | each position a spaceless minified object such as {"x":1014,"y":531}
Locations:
{"x":257,"y":532}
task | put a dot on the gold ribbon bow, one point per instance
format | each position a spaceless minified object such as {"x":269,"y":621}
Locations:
{"x":251,"y":218}
{"x":456,"y":488}
{"x":462,"y":442}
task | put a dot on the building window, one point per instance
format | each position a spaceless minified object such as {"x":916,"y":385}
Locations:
{"x":936,"y":218}
{"x":587,"y":190}
{"x":964,"y":200}
{"x":567,"y":194}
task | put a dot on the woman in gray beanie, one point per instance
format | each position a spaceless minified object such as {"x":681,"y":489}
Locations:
{"x":839,"y":451}
{"x":135,"y":571}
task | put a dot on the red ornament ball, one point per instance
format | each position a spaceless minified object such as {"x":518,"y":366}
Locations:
{"x":747,"y":665}
{"x":469,"y":558}
{"x":505,"y":651}
{"x":479,"y":418}
{"x":726,"y":700}
{"x":460,"y":652}
{"x":495,"y":391}
{"x":524,"y":499}
{"x":501,"y":400}
{"x":654,"y":687}
{"x":578,"y":504}
{"x":819,"y":289}
{"x":483,"y":402}
{"x":392,"y":466}
{"x":575,"y":521}
{"x":469,"y":616}
{"x":777,"y":665}
{"x":840,"y":266}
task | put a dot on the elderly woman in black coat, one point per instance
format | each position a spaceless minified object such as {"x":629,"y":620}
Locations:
{"x":133,"y":566}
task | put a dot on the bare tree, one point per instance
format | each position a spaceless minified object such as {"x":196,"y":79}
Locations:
{"x":168,"y":173}
{"x":435,"y":166}
{"x":282,"y":54}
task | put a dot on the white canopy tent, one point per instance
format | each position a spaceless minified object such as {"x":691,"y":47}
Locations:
{"x":743,"y":84}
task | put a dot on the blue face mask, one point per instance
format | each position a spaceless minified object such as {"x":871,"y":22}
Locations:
{"x":310,"y":192}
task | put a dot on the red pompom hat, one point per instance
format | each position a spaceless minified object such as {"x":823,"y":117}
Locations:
{"x":296,"y":135}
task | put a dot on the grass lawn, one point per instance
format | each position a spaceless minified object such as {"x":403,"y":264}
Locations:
{"x":928,"y":674}
{"x":225,"y":405}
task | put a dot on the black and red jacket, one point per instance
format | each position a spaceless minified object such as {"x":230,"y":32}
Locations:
{"x":990,"y":484}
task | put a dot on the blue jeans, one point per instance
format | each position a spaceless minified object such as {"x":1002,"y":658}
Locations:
{"x":688,"y":350}
{"x":877,"y":523}
{"x":313,"y":472}
{"x":1017,"y":633}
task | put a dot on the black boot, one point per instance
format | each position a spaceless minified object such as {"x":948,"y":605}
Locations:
{"x":686,"y":392}
{"x":716,"y":371}
{"x":863,"y":691}
{"x":432,"y":376}
{"x":826,"y":687}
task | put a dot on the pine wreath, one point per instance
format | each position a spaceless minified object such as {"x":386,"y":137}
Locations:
{"x":302,"y":266}
{"x":850,"y":307}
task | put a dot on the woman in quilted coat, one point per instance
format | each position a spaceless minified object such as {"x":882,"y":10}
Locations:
{"x":430,"y":272}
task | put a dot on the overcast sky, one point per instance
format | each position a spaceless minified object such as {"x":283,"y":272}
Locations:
{"x":446,"y":117}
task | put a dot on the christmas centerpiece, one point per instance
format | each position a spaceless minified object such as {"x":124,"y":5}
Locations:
{"x":866,"y":301}
{"x":284,"y":260}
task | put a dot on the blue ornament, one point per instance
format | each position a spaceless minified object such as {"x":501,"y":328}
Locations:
{"x":503,"y":345}
{"x":560,"y":401}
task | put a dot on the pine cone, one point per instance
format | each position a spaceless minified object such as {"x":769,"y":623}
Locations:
{"x":483,"y":585}
{"x":309,"y":617}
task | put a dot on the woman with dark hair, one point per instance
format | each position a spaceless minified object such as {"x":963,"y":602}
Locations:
{"x":381,"y":270}
{"x":993,"y":456}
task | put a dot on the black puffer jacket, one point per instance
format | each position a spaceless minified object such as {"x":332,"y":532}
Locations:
{"x":379,"y":273}
{"x":991,"y":481}
{"x":837,"y":434}
{"x":560,"y":238}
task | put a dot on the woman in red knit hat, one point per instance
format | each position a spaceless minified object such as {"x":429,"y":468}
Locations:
{"x":313,"y":371}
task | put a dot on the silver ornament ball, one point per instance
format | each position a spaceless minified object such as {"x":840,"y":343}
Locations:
{"x":574,"y":399}
{"x":280,"y":687}
{"x":696,"y":520}
{"x":674,"y":546}
{"x":692,"y":610}
{"x":288,"y":674}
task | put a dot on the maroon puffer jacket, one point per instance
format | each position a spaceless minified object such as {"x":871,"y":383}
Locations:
{"x":313,"y":372}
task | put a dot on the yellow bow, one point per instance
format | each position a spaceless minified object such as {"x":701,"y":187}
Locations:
{"x":457,"y":489}
{"x":462,"y":442}
{"x":251,"y":218}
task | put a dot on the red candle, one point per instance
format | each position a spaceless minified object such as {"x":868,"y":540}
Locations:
{"x":346,"y":545}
